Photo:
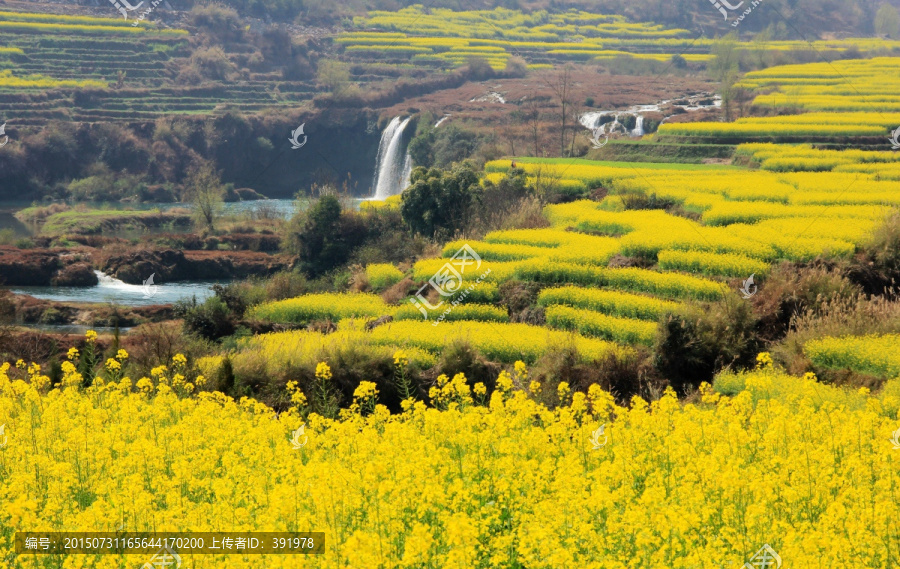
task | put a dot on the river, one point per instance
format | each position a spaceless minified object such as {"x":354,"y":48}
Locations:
{"x":113,"y":291}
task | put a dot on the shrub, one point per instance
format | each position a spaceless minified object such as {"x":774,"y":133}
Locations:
{"x":211,"y":320}
{"x":439,"y":202}
{"x":696,"y":344}
{"x":323,"y":236}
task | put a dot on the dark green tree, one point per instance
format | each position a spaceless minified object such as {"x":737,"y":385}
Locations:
{"x":439,"y":203}
{"x":324,"y":236}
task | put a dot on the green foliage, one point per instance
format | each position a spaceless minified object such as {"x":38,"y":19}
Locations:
{"x":206,"y":191}
{"x":211,"y":320}
{"x":324,"y":237}
{"x":441,"y":147}
{"x":887,"y":22}
{"x":699,"y":342}
{"x":440,"y":202}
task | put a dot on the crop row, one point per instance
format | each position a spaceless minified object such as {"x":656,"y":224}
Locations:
{"x":595,"y":324}
{"x":498,"y":341}
{"x":611,"y":302}
{"x":873,"y":355}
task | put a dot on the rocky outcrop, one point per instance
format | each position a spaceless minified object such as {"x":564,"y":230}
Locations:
{"x":24,"y":267}
{"x":173,"y":265}
{"x":76,"y":274}
{"x":25,"y":309}
{"x":42,"y":267}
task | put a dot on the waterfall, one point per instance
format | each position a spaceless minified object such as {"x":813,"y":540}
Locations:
{"x":106,"y":281}
{"x":407,"y":172}
{"x":639,"y":126}
{"x":390,"y":168}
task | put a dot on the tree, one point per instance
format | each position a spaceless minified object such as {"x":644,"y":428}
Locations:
{"x":334,"y":75}
{"x":887,"y":22}
{"x":562,"y":88}
{"x":207,"y":193}
{"x":324,"y":236}
{"x":438,"y":202}
{"x":725,"y":68}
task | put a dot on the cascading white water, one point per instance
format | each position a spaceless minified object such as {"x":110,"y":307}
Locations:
{"x":390,"y":168}
{"x":592,"y":119}
{"x":639,"y":126}
{"x":106,"y":281}
{"x":407,"y":172}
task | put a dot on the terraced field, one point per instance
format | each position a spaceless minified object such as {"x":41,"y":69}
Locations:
{"x":69,"y":71}
{"x":800,"y":204}
{"x":852,"y":101}
{"x":446,"y":39}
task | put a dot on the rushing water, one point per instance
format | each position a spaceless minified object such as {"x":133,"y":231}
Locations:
{"x":591,"y":120}
{"x":394,"y":164}
{"x":113,"y":291}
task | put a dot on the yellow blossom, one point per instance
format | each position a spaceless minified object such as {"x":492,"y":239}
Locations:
{"x":323,"y":371}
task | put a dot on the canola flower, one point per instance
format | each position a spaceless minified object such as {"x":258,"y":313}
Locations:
{"x":787,"y":461}
{"x":874,"y":355}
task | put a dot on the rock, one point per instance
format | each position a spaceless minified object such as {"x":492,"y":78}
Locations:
{"x":173,"y":265}
{"x":76,"y":274}
{"x":27,"y":267}
{"x":372,"y":324}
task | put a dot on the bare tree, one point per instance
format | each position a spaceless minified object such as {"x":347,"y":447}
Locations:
{"x":562,"y":89}
{"x":532,"y":117}
{"x":546,"y":181}
{"x":207,"y":193}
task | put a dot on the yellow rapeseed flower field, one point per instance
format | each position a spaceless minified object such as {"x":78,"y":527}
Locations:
{"x":480,"y":481}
